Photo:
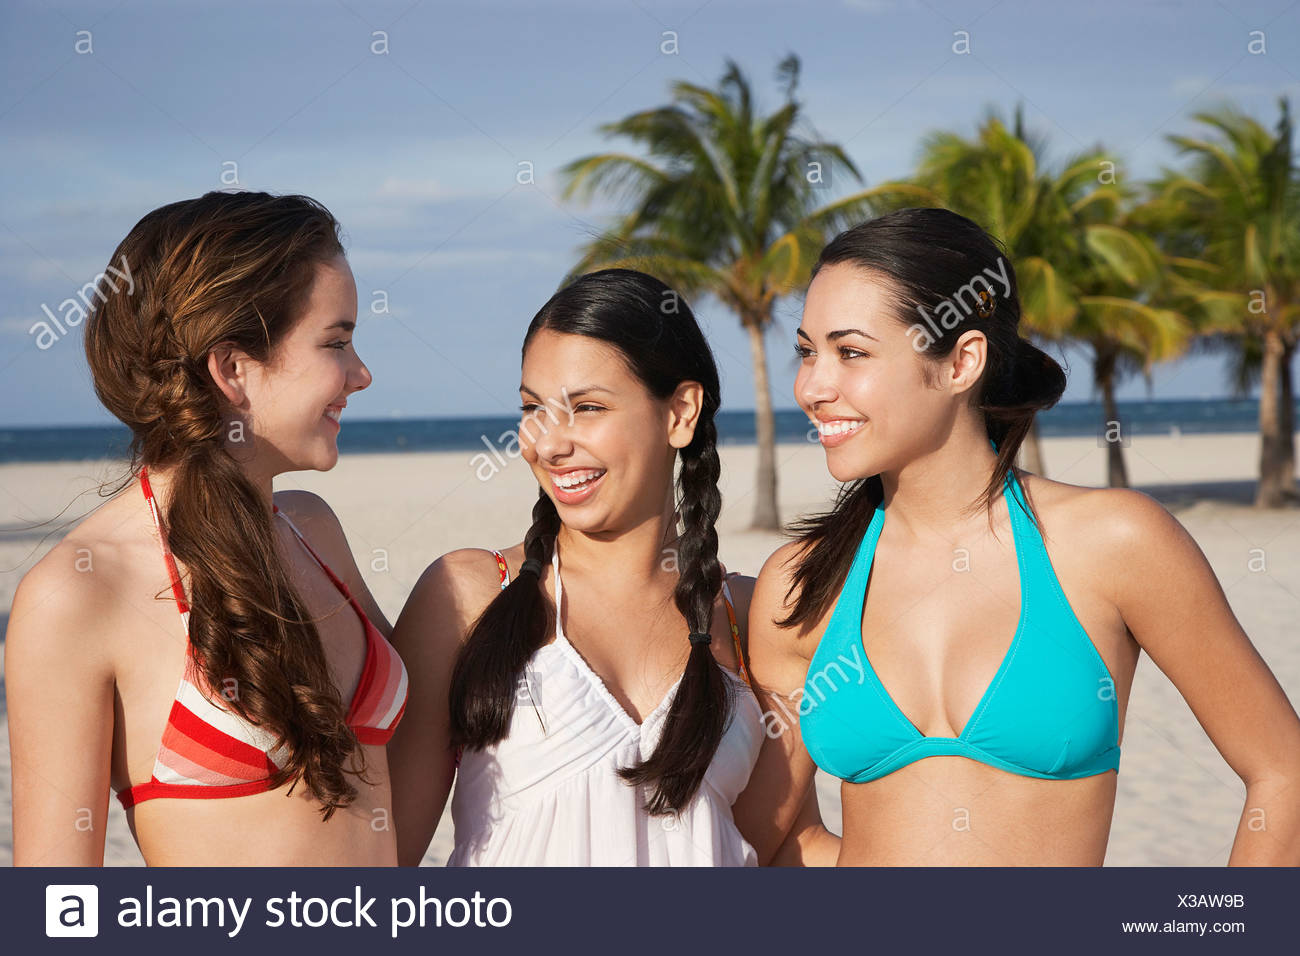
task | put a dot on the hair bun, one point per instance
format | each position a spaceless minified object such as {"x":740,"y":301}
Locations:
{"x":1036,"y":379}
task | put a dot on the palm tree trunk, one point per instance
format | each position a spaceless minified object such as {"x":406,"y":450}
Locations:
{"x":1276,"y":474}
{"x":766,"y":515}
{"x":1104,"y":375}
{"x":1288,"y":416}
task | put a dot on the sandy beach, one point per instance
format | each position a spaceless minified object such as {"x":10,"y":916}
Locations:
{"x":1178,"y":801}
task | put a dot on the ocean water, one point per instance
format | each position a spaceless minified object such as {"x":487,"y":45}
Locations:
{"x":81,"y":442}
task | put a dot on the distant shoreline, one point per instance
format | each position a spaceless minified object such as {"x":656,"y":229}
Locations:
{"x":493,"y":434}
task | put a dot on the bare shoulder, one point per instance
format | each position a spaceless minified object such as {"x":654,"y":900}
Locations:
{"x":55,"y":588}
{"x":774,"y":597}
{"x":1103,"y":519}
{"x":772,"y":588}
{"x":313,"y":517}
{"x":477,"y":567}
{"x":465,"y":580}
{"x":782,"y":563}
{"x":65,"y":607}
{"x":296,"y":502}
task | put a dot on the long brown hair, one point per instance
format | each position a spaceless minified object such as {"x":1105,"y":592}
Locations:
{"x":663,"y":348}
{"x":224,"y":268}
{"x":929,"y":257}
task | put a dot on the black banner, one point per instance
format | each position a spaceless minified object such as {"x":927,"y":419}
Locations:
{"x":645,"y":911}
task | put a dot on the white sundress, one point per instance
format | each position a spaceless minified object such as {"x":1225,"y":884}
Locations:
{"x":548,"y":794}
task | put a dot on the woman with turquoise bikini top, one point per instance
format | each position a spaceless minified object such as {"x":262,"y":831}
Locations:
{"x":955,"y":639}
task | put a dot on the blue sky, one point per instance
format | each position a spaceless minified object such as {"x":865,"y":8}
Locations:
{"x":416,"y":150}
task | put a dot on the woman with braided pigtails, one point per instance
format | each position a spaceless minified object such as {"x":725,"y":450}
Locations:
{"x":600,"y":712}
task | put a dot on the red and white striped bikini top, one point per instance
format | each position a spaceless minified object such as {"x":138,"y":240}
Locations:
{"x":209,"y":751}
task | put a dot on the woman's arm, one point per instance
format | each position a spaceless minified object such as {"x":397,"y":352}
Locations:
{"x":59,"y":689}
{"x":777,"y":813}
{"x":809,"y":842}
{"x":447,"y":599}
{"x":1173,"y":605}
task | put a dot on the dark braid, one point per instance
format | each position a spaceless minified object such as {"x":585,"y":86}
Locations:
{"x":661,"y":343}
{"x":698,"y":716}
{"x":505,"y":636}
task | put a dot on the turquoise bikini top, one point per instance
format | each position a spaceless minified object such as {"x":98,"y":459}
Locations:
{"x":1050,"y":711}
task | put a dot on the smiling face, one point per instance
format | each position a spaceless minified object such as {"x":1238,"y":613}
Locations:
{"x":296,"y":398}
{"x":599,"y":443}
{"x":877,"y":403}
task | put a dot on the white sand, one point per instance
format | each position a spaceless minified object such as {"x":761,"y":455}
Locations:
{"x":1178,"y":801}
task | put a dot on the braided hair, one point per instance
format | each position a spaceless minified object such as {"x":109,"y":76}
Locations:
{"x":662,"y":344}
{"x":238,"y":268}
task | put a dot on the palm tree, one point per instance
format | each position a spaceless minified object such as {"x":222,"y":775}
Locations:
{"x":1084,"y":274}
{"x":1125,"y":335}
{"x":1127,"y":301}
{"x":726,"y":203}
{"x":1238,"y":208}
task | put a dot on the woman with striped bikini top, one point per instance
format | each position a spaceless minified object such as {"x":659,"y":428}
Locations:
{"x":208,"y":751}
{"x":230,"y":359}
